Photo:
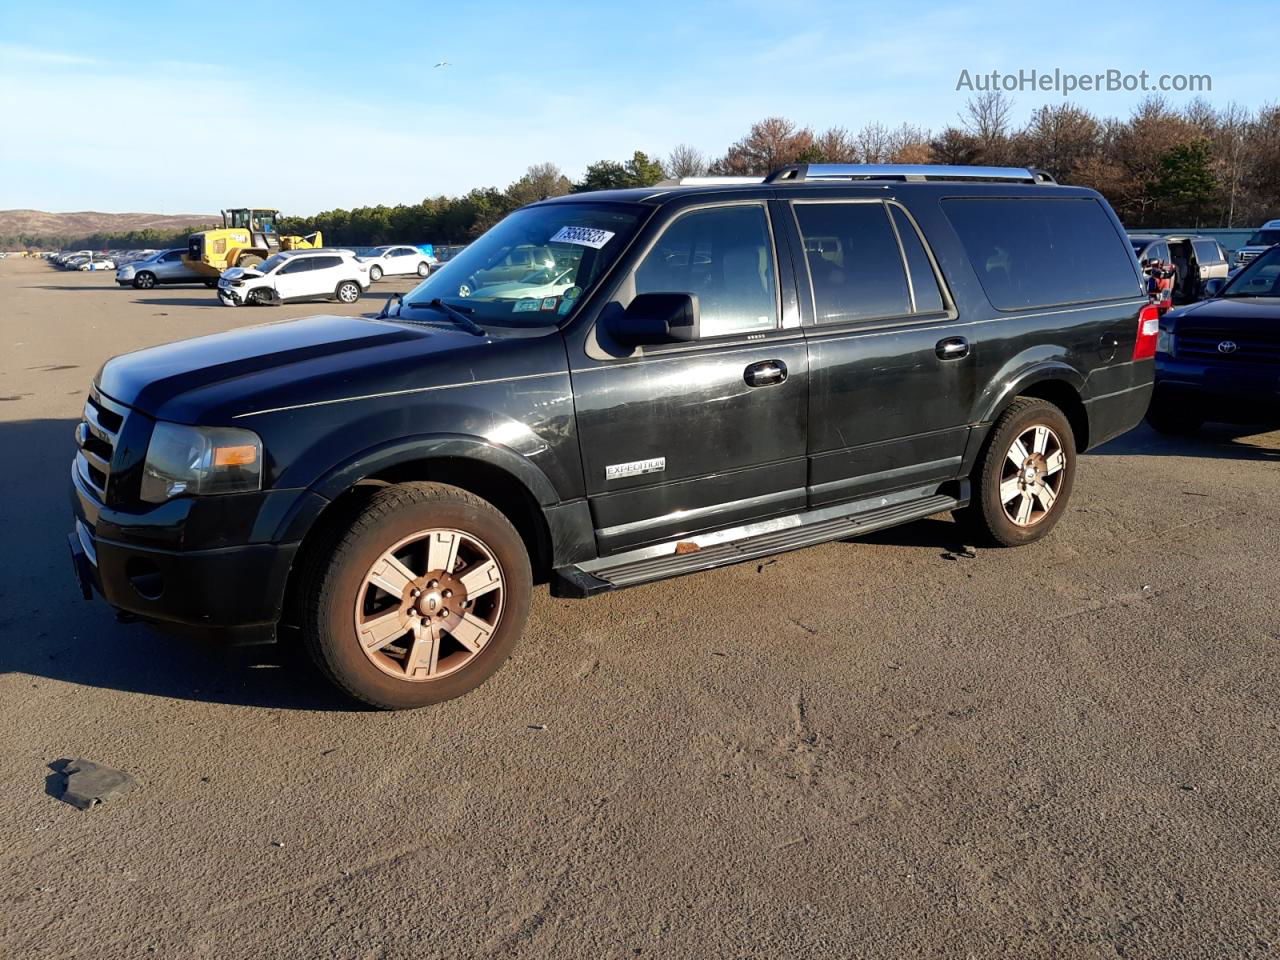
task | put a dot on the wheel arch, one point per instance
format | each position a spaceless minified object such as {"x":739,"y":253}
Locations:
{"x":1056,"y":382}
{"x":515,"y":486}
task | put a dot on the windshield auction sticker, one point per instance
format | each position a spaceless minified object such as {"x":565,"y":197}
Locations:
{"x":583,"y":236}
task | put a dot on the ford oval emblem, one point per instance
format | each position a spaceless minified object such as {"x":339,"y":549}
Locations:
{"x":1227,"y":346}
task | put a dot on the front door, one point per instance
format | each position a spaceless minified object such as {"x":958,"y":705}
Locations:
{"x":892,"y":377}
{"x":293,"y":279}
{"x":685,"y":438}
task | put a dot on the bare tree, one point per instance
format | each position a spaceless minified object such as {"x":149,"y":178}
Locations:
{"x":986,"y":119}
{"x":833,"y":146}
{"x":873,"y":143}
{"x":910,"y":144}
{"x":540,"y":181}
{"x":686,"y":161}
{"x":772,"y":143}
{"x":1058,"y":139}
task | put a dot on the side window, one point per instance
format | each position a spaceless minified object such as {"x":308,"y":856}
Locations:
{"x":1206,"y":251}
{"x":855,"y":264}
{"x":724,"y":255}
{"x":1031,"y":252}
{"x":171,"y":257}
{"x":325,"y":263}
{"x":300,"y":265}
{"x":924,"y":282}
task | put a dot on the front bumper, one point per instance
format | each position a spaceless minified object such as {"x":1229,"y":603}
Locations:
{"x":229,"y":590}
{"x":229,"y":297}
{"x":1227,"y":392}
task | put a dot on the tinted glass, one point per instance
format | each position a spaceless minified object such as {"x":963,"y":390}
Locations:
{"x":1206,"y":251}
{"x":1260,"y":279}
{"x":924,"y":282}
{"x":324,"y":263}
{"x":1041,"y":252}
{"x":854,"y":261}
{"x":298,"y":266}
{"x":724,"y":255}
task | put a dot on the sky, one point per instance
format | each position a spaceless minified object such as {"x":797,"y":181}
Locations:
{"x":177,"y":108}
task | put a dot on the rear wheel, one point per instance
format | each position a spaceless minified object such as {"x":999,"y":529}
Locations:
{"x":348,"y":291}
{"x":1025,"y":474}
{"x":375,"y":273}
{"x":420,"y":600}
{"x":144,"y":280}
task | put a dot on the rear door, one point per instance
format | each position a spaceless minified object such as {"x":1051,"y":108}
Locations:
{"x":891,"y":382}
{"x":685,"y":438}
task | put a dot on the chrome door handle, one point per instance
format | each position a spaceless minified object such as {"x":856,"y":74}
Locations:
{"x":765,"y":373}
{"x":952,"y":348}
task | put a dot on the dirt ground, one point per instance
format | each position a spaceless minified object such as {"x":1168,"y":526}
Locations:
{"x":877,"y":748}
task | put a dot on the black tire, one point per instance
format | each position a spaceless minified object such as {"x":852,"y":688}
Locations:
{"x":334,"y":574}
{"x":144,"y":280}
{"x":348,"y":291}
{"x":211,"y":284}
{"x":256,"y":298}
{"x":986,"y":515}
{"x":375,"y":273}
{"x":424,"y":268}
{"x":1172,"y":419}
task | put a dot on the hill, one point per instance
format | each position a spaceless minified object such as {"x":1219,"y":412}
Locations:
{"x":38,"y":223}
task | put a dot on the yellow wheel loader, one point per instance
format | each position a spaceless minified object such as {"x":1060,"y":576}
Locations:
{"x":248,"y":236}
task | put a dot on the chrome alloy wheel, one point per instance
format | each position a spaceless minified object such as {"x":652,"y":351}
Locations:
{"x":425,"y":625}
{"x":1032,"y":475}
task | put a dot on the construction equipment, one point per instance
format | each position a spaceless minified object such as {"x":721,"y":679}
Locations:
{"x":248,"y":236}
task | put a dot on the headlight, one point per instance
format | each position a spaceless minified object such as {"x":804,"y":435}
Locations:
{"x":1164,"y":342}
{"x":200,"y":460}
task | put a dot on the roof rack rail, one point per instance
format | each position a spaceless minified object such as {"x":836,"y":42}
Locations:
{"x":710,"y":181}
{"x":809,"y":172}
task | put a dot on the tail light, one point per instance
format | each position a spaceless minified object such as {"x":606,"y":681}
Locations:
{"x":1148,"y":332}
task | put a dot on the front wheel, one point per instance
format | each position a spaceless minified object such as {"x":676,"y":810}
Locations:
{"x":144,"y":280}
{"x":211,"y":284}
{"x":348,"y":291}
{"x":424,"y":268}
{"x":420,"y":600}
{"x":1023,"y":480}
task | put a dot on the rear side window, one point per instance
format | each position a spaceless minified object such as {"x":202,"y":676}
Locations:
{"x":924,"y":283}
{"x":324,"y":263}
{"x":1043,"y":252}
{"x":855,"y":264}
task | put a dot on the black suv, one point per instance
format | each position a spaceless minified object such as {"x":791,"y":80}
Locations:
{"x":690,"y":376}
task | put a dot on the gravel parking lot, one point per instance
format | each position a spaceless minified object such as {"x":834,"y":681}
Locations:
{"x":880,"y":748}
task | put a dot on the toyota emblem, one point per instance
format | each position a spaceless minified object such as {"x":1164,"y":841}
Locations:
{"x":1227,"y":346}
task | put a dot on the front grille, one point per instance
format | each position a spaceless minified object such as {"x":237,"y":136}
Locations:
{"x":1250,"y":346}
{"x":96,"y":439}
{"x":1244,"y":256}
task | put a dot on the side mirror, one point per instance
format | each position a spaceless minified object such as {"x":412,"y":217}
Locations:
{"x":653,"y":318}
{"x":1213,"y":287}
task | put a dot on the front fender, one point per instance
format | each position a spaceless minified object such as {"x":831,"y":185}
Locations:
{"x":307,"y":507}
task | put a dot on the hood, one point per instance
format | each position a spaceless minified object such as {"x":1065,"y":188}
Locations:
{"x":1228,"y":313}
{"x":210,"y":380}
{"x":241,"y":273}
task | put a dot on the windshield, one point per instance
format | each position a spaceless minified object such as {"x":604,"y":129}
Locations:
{"x":534,"y":267}
{"x":1264,"y":238}
{"x":269,"y":264}
{"x":1259,"y":279}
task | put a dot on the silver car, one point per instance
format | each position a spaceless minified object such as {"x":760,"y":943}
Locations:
{"x":167,"y":266}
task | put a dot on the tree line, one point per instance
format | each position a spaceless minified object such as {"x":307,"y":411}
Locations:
{"x":1198,"y":166}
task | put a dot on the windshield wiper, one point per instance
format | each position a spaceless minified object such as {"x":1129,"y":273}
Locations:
{"x":453,"y":313}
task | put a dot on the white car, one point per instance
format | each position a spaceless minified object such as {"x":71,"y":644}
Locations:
{"x":296,"y":275}
{"x":395,"y":261}
{"x":535,"y":285}
{"x":98,"y":263}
